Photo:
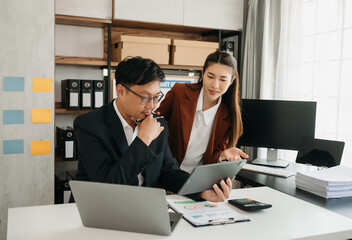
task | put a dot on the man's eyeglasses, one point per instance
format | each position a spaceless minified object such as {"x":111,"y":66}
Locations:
{"x":145,"y":100}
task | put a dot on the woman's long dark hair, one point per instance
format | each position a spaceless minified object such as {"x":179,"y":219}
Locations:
{"x":231,"y":97}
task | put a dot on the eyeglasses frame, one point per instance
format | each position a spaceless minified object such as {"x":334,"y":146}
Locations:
{"x":144,"y":98}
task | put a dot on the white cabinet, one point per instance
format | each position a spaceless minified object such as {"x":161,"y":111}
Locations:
{"x":219,"y":14}
{"x":77,"y":41}
{"x":158,"y":11}
{"x":84,"y":8}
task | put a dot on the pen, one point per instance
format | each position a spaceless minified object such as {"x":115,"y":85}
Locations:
{"x":141,"y":119}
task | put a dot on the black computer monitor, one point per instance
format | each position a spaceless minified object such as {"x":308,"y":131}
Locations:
{"x":276,"y":124}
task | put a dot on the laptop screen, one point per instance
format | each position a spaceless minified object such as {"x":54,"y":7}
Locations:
{"x":320,"y":152}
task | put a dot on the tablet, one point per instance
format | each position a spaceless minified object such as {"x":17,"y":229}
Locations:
{"x":203,"y":177}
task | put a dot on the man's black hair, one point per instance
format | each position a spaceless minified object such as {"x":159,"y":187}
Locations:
{"x":138,"y":71}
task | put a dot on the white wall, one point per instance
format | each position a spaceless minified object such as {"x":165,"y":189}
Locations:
{"x":85,"y":8}
{"x":27,"y":50}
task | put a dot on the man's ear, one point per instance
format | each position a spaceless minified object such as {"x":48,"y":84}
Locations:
{"x":120,"y":90}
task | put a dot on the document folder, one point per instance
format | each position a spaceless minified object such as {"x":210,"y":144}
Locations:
{"x":70,"y":93}
{"x":62,"y":187}
{"x":205,"y":213}
{"x":99,"y":93}
{"x":229,"y":46}
{"x":86,"y":94}
{"x":66,"y":143}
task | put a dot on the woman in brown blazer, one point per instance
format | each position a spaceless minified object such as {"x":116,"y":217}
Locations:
{"x":204,"y":119}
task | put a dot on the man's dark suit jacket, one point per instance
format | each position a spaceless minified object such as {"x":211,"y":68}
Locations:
{"x":104,"y":155}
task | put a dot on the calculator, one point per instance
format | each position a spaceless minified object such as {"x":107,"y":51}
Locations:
{"x":248,"y":204}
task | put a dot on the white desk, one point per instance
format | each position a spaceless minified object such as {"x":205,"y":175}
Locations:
{"x":341,"y":206}
{"x":289,"y":218}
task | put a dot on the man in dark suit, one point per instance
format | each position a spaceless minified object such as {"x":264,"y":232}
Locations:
{"x":115,"y":146}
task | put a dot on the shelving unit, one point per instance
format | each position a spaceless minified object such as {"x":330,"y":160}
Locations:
{"x":77,"y":61}
{"x":113,"y":28}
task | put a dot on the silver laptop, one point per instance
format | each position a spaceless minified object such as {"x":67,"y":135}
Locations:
{"x":320,"y":152}
{"x":123,"y":207}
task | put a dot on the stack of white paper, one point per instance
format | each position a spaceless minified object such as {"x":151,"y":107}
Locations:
{"x":334,"y":182}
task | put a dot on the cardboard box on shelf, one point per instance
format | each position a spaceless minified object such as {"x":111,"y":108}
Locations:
{"x":154,"y":48}
{"x":191,"y":53}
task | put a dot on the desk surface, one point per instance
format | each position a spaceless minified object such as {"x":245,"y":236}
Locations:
{"x":289,"y":218}
{"x":341,"y":206}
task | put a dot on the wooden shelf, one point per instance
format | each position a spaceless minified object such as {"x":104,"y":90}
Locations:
{"x":62,"y":60}
{"x":101,"y":22}
{"x":181,"y":67}
{"x":168,"y":27}
{"x":136,"y":28}
{"x":59,"y":109}
{"x":69,"y":111}
{"x":59,"y":159}
{"x":81,"y":21}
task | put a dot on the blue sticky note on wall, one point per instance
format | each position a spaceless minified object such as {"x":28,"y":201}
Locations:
{"x":12,"y":117}
{"x":13,"y":84}
{"x":13,"y":146}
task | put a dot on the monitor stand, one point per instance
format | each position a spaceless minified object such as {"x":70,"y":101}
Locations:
{"x":271,"y":160}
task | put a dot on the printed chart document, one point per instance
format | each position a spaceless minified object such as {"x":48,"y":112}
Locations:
{"x":205,"y":212}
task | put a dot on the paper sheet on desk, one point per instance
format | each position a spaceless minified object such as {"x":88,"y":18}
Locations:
{"x":204,"y":213}
{"x":335,"y":182}
{"x":325,"y":193}
{"x":334,"y":176}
